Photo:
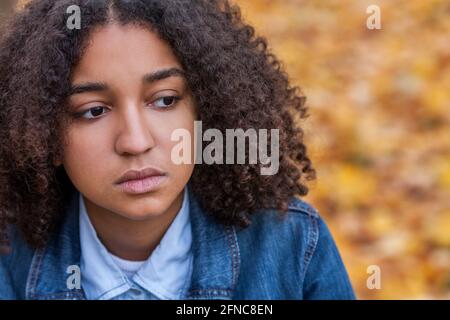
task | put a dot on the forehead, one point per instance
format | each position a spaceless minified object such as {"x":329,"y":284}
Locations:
{"x":124,"y":51}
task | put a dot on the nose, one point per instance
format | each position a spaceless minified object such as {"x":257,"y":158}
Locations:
{"x":134,"y":136}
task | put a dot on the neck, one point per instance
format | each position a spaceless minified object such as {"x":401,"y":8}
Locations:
{"x":130,"y":239}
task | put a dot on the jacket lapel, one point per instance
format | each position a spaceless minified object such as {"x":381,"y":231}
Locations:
{"x":52,"y":267}
{"x":216,"y":256}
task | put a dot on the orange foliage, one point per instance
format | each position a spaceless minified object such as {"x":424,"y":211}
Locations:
{"x":378,"y":132}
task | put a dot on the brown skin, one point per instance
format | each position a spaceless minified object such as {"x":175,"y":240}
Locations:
{"x":132,"y":132}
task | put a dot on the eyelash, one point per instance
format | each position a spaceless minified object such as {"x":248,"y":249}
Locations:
{"x":82,"y":113}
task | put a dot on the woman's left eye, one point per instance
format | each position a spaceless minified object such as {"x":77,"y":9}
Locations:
{"x":166,"y":102}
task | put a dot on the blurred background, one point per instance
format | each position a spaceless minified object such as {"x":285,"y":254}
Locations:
{"x":378,"y":131}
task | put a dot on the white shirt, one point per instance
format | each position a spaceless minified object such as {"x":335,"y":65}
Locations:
{"x":166,"y":274}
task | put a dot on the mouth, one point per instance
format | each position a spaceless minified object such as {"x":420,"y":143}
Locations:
{"x":140,"y":181}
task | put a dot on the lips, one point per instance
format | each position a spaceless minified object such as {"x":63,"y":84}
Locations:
{"x":139,"y":174}
{"x":140,"y":181}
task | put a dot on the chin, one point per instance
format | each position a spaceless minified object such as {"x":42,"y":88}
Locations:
{"x":143,"y":212}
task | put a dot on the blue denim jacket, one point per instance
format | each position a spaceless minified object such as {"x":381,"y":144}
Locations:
{"x":293,"y":257}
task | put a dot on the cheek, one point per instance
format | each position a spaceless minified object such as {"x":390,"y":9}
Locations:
{"x":183,"y":120}
{"x":82,"y":156}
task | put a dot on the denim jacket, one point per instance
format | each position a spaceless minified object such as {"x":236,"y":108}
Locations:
{"x":291,"y":257}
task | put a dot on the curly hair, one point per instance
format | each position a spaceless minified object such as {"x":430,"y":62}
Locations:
{"x":235,"y":80}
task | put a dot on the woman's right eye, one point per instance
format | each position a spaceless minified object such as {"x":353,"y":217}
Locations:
{"x":92,"y":113}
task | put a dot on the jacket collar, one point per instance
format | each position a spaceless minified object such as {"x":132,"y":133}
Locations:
{"x":214,"y":245}
{"x":216,"y":256}
{"x":52,"y":266}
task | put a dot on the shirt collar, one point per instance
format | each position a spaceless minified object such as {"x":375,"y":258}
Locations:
{"x":164,"y":274}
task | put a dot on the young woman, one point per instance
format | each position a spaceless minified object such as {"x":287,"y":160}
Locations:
{"x":93,"y":201}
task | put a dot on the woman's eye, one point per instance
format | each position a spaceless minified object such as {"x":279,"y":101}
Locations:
{"x":96,"y":112}
{"x":93,"y":113}
{"x":166,"y":102}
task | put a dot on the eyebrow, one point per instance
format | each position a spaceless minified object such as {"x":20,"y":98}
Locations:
{"x":163,"y":74}
{"x":146,"y":79}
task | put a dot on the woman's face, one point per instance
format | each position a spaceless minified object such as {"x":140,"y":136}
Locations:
{"x":128,"y":96}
